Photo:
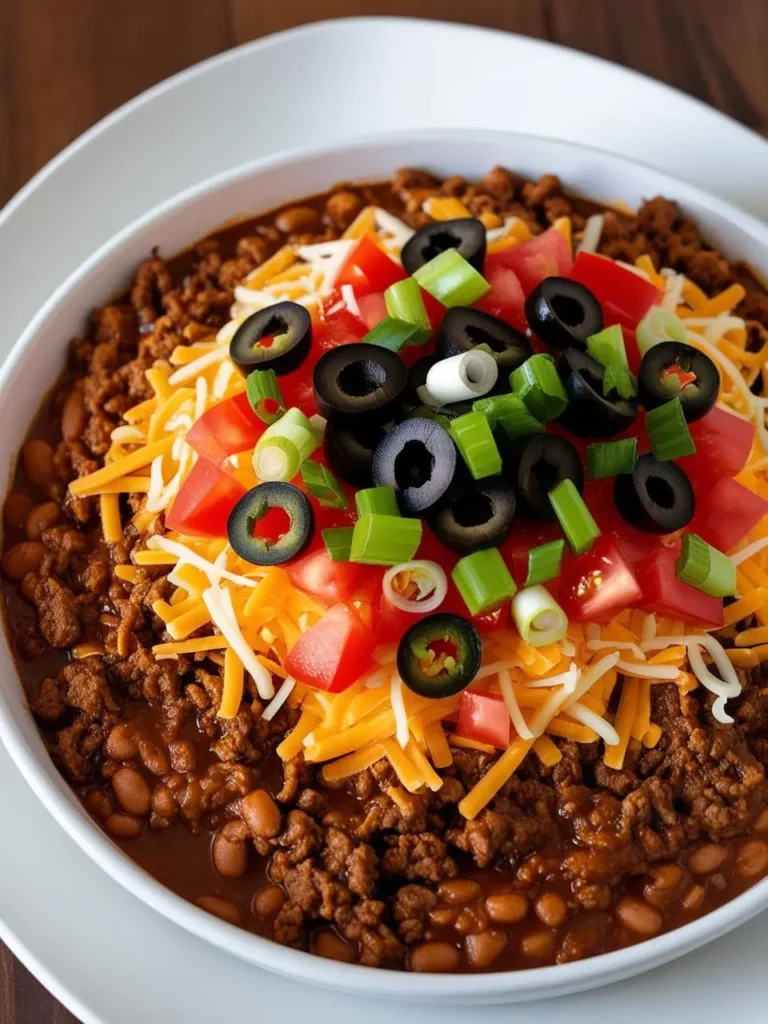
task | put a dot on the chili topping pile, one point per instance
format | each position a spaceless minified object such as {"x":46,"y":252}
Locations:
{"x":455,"y":489}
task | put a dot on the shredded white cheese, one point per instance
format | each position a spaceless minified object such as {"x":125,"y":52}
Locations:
{"x":279,"y":699}
{"x":398,"y":707}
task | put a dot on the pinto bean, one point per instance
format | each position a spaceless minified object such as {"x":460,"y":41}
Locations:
{"x":638,"y":916}
{"x":752,"y":858}
{"x":459,"y":890}
{"x":261,"y":814}
{"x":506,"y":907}
{"x":37,"y":460}
{"x":328,"y":944}
{"x":268,"y":901}
{"x":25,"y":557}
{"x":551,"y":909}
{"x":484,"y":948}
{"x":41,"y":518}
{"x":707,"y":858}
{"x":229,"y":858}
{"x":73,"y":416}
{"x":434,"y":958}
{"x":123,"y":826}
{"x":132,"y":792}
{"x":121,"y":744}
{"x":297,"y":218}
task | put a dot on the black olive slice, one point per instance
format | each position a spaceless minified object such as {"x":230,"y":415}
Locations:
{"x":477,"y":516}
{"x":439,"y":655}
{"x":462,"y":329}
{"x":656,"y":497}
{"x":276,"y":338}
{"x":467,"y":234}
{"x":359,"y":380}
{"x":242,"y":525}
{"x":563,"y":312}
{"x":349,"y":448}
{"x":418,"y":459}
{"x":589,"y":412}
{"x":442,"y":414}
{"x":673,"y":369}
{"x":536,"y":463}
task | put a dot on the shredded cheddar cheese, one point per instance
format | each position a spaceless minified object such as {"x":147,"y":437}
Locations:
{"x":252,"y":616}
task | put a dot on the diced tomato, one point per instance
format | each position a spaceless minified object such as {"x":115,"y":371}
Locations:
{"x":229,"y":427}
{"x":723,"y":443}
{"x":369,"y":269}
{"x":339,"y":328}
{"x":524,"y":536}
{"x":373,"y":309}
{"x":726,"y":512}
{"x":484,"y":717}
{"x":506,"y":298}
{"x":205,"y":500}
{"x":599,"y":584}
{"x":546,"y":255}
{"x":664,"y":593}
{"x":392,"y":622}
{"x":435,"y":309}
{"x":492,"y":621}
{"x":333,"y":653}
{"x":329,"y":581}
{"x":624,"y":295}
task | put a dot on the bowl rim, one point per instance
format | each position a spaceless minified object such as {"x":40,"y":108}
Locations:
{"x":56,"y":795}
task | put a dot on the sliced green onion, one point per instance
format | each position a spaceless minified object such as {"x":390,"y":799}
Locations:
{"x":404,"y":302}
{"x":705,"y":568}
{"x":378,"y":500}
{"x":473,"y":437}
{"x":417,"y":587}
{"x":338,"y":542}
{"x":452,"y":280}
{"x":668,"y":431}
{"x":264,"y":395}
{"x":607,"y":348}
{"x":510,"y":413}
{"x":538,"y":383}
{"x":539,"y":618}
{"x":323,"y":485}
{"x":659,"y":325}
{"x":385,"y":540}
{"x":575,"y":518}
{"x":544,"y":562}
{"x":284,"y":446}
{"x":620,"y":380}
{"x":483,"y":580}
{"x":611,"y":458}
{"x":394,"y":334}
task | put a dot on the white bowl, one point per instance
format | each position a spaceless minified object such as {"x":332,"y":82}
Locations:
{"x":30,"y":370}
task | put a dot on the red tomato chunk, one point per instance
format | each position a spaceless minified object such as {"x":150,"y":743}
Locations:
{"x":665,"y":594}
{"x":723,"y":443}
{"x":368,"y":269}
{"x":624,"y":295}
{"x":483,"y":717}
{"x":204,"y":501}
{"x":329,"y":581}
{"x":726,"y":512}
{"x":599,"y":584}
{"x":226,"y":429}
{"x":334,"y":653}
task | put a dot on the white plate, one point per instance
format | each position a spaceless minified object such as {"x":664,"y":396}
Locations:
{"x":106,"y":179}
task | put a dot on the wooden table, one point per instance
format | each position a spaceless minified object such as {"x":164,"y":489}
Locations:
{"x":66,"y":63}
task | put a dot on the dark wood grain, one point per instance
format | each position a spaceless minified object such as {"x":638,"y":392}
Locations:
{"x":66,"y":63}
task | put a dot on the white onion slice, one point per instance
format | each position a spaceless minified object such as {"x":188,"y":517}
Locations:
{"x":430,"y":579}
{"x":461,"y":377}
{"x":539,"y":618}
